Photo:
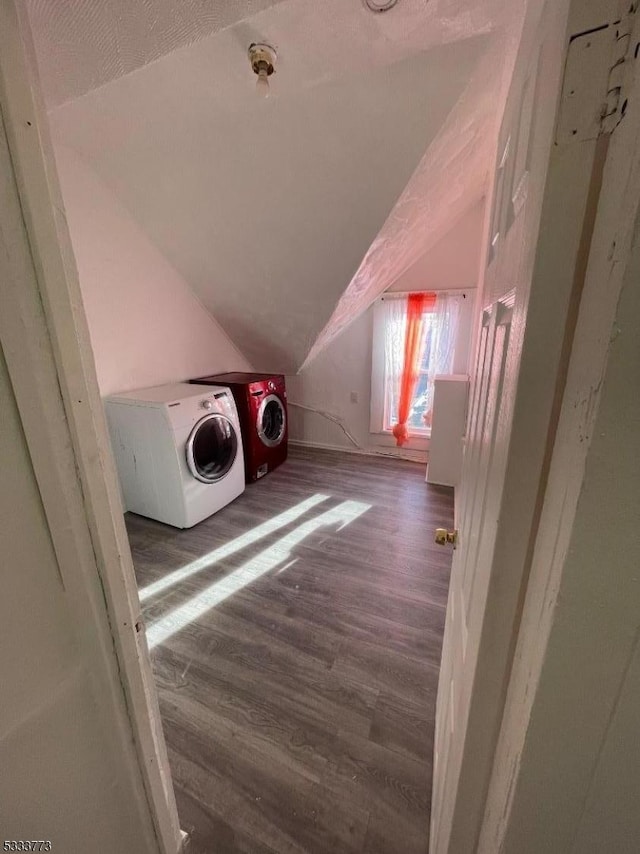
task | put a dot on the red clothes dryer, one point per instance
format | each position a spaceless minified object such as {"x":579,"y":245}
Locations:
{"x":261,"y":401}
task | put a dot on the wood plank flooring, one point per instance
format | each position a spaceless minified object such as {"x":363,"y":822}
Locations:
{"x":298,"y":706}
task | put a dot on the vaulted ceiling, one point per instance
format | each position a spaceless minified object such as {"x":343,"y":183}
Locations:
{"x":83,"y":44}
{"x":284,"y":215}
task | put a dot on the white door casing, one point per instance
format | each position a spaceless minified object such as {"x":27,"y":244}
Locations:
{"x":568,"y":739}
{"x":545,"y":190}
{"x":50,"y":364}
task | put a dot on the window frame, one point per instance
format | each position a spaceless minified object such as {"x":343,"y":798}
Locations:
{"x":418,"y":435}
{"x":379,"y":401}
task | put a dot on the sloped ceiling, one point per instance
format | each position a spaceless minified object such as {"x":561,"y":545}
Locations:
{"x":83,"y":44}
{"x":453,"y":262}
{"x":452,"y":174}
{"x":268,"y":208}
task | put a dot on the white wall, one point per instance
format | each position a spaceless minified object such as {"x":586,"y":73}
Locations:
{"x":454,"y":262}
{"x":63,"y":777}
{"x":344,"y":366}
{"x":146,"y":325}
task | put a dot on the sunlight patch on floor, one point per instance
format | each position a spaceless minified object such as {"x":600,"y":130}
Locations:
{"x":287,"y":566}
{"x":162,"y":629}
{"x":230,"y":548}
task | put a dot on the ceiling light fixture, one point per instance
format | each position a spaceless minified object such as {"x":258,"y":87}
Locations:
{"x":379,"y":5}
{"x":263,"y":59}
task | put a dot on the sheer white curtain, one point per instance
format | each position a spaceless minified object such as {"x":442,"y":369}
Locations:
{"x":394,"y":312}
{"x":443,"y":343}
{"x":437,"y":354}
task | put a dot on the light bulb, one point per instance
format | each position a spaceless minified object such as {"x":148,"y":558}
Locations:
{"x":262,"y":58}
{"x":262,"y":83}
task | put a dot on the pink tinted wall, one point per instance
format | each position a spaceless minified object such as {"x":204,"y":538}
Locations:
{"x":339,"y":379}
{"x":454,"y":262}
{"x":146,"y":325}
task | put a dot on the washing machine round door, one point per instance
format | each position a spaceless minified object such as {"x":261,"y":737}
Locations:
{"x":272,"y":421}
{"x":211,"y":448}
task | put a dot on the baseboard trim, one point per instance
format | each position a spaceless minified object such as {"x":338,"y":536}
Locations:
{"x":411,"y":456}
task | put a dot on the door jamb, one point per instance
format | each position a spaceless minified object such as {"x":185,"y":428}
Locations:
{"x":45,"y":340}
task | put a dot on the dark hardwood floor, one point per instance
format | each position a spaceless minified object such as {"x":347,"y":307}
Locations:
{"x":297,"y":667}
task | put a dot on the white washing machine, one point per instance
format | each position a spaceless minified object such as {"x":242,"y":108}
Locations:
{"x":178,"y":449}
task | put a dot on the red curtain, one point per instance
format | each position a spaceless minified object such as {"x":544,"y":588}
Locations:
{"x":416,"y":307}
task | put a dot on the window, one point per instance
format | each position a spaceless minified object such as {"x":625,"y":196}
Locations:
{"x":394,"y":342}
{"x":438,"y":332}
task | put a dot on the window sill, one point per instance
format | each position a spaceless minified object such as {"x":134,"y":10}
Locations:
{"x":414,"y":434}
{"x":417,"y":441}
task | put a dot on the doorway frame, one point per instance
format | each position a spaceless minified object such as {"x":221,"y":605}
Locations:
{"x":45,"y":339}
{"x":44,"y":334}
